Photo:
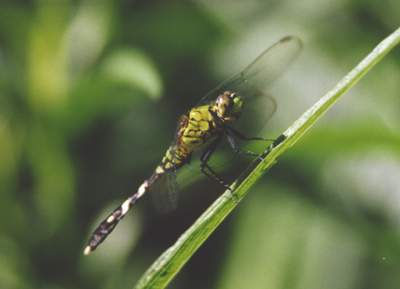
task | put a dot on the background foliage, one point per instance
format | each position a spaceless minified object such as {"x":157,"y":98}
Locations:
{"x":89,"y":97}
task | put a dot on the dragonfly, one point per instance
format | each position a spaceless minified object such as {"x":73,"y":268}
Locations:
{"x":206,"y":125}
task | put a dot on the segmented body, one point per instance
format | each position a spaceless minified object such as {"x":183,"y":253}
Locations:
{"x":196,"y":130}
{"x":203,"y":126}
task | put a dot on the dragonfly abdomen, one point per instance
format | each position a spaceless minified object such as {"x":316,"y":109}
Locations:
{"x":175,"y":157}
{"x":108,"y":224}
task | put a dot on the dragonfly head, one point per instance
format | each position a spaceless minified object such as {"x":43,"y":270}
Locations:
{"x":228,"y":106}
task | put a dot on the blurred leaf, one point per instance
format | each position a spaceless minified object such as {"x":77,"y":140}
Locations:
{"x":9,"y":150}
{"x":53,"y":178}
{"x":290,"y":244}
{"x":131,"y":67}
{"x":47,"y":65}
{"x":369,"y":179}
{"x":87,"y":34}
{"x":269,"y":235}
{"x":176,"y":30}
{"x":12,"y":265}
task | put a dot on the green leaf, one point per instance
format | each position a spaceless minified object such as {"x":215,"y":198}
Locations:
{"x":172,"y":260}
{"x":133,"y":68}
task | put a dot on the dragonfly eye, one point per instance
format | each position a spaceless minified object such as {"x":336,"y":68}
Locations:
{"x":236,"y":105}
{"x":229,"y":106}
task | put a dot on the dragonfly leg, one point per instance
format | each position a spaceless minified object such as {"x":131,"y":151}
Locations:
{"x":241,"y":136}
{"x":233,"y":143}
{"x":206,"y":169}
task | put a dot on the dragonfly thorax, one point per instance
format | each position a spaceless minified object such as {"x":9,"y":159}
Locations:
{"x":228,"y":106}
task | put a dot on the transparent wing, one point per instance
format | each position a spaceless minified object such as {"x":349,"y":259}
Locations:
{"x":259,"y":106}
{"x":259,"y":74}
{"x":165,"y":193}
{"x":253,"y":81}
{"x":172,"y":190}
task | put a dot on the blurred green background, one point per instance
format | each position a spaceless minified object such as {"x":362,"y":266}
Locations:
{"x":89,"y":98}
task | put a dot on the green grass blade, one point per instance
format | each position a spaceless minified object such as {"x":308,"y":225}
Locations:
{"x":171,"y":261}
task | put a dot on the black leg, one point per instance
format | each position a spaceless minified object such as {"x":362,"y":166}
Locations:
{"x":233,"y":134}
{"x":241,"y":136}
{"x":232,"y":142}
{"x":206,"y":169}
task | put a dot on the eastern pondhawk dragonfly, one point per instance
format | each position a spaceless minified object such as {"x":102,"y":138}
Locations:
{"x":205,"y":125}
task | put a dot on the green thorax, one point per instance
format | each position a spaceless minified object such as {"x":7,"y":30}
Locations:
{"x":199,"y":128}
